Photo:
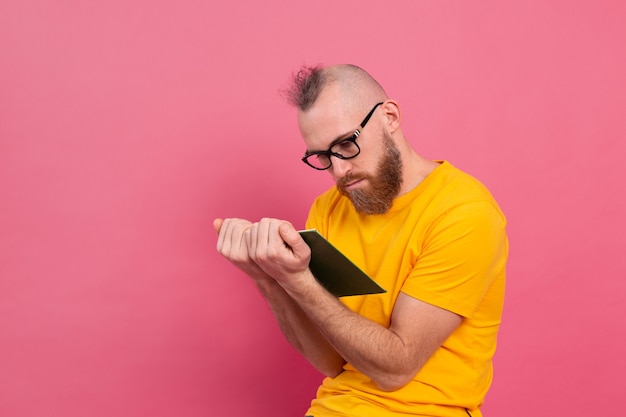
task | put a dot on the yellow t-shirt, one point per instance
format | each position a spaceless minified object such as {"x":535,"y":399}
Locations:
{"x":443,"y":243}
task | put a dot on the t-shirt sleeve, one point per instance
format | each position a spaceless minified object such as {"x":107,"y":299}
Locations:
{"x":318,"y":214}
{"x":313,"y":220}
{"x":463,"y":252}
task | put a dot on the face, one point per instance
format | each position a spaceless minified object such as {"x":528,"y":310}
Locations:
{"x":373,"y":193}
{"x":373,"y":178}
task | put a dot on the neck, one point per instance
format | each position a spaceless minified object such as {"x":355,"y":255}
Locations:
{"x":415,"y":169}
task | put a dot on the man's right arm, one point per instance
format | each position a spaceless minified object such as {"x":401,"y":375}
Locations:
{"x":299,"y":331}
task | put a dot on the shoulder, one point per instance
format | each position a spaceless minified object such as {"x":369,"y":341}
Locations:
{"x":452,"y":187}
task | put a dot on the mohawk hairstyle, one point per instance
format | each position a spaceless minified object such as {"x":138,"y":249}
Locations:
{"x":306,"y":86}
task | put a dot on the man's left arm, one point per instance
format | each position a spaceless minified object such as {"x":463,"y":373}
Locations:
{"x":388,"y":356}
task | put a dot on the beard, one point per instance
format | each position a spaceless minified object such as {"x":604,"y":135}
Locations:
{"x":384,"y":186}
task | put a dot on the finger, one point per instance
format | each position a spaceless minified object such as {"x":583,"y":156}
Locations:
{"x":274,"y":235}
{"x":251,"y":240}
{"x":220,"y":236}
{"x":217,"y":224}
{"x":237,"y":237}
{"x":224,"y":240}
{"x":231,"y":235}
{"x":276,"y":245}
{"x":263,"y":235}
{"x":292,"y":238}
{"x":246,"y":237}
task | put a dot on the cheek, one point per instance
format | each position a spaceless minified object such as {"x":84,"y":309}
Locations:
{"x":369,"y":166}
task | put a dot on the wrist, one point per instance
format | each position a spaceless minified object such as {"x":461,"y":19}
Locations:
{"x":266,"y":285}
{"x":302,"y":286}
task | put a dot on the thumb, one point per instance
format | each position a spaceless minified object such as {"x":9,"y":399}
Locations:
{"x":217,"y":224}
{"x":292,"y":238}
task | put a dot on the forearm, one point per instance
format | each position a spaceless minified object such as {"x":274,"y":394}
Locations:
{"x":299,"y":331}
{"x":373,"y":349}
{"x":308,"y":313}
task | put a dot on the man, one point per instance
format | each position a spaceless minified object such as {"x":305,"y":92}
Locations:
{"x":429,"y":234}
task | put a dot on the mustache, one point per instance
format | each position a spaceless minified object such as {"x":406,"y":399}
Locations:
{"x":342,"y":182}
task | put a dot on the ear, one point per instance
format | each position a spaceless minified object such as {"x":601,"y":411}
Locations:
{"x":393,"y":113}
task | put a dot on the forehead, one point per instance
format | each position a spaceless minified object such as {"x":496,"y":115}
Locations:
{"x":326,"y":121}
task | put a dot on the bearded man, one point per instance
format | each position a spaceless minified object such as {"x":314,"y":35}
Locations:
{"x":432,"y":236}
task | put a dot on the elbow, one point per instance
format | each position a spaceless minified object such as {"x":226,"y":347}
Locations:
{"x":392,"y":382}
{"x":332,"y":372}
{"x":331,"y":368}
{"x":397,"y":376}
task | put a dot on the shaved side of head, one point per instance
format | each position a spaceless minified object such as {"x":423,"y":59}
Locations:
{"x":357,"y":88}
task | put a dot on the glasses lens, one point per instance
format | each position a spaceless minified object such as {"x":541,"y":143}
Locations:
{"x":346,"y":148}
{"x":319,"y":161}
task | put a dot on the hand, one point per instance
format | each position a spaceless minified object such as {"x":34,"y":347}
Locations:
{"x":232,"y":243}
{"x":279,"y":250}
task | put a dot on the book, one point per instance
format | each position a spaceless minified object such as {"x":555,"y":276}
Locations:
{"x":338,"y":274}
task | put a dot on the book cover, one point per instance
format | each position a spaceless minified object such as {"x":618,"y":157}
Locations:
{"x":340,"y":276}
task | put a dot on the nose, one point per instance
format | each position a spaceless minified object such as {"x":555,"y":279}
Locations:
{"x":340,"y":167}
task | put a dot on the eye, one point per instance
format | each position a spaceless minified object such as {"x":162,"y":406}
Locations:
{"x":346,"y":147}
{"x":345,"y":144}
{"x":322,"y":159}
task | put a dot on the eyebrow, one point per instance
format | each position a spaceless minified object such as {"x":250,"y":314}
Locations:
{"x":336,"y":141}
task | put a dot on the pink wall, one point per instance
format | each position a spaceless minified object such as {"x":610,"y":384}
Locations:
{"x":127,"y":126}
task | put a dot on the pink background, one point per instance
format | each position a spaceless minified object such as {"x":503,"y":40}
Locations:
{"x":127,"y":126}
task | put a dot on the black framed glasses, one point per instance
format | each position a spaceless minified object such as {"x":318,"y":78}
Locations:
{"x":346,"y":148}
